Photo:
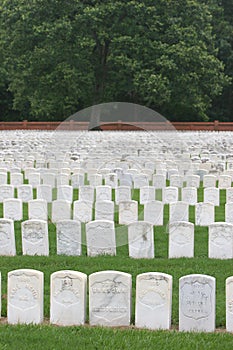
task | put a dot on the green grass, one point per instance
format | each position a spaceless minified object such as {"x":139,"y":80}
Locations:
{"x":51,"y":337}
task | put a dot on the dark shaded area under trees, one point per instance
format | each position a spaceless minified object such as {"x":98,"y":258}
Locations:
{"x":58,"y":57}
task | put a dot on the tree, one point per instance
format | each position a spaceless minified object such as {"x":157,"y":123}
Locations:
{"x":64,"y":56}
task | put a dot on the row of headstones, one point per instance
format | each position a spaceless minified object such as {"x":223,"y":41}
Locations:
{"x":122,"y":193}
{"x":110,"y":299}
{"x":114,"y":180}
{"x":153,"y":211}
{"x":101,"y":239}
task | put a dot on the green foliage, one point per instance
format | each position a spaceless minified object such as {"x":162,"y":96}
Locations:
{"x":61,"y":57}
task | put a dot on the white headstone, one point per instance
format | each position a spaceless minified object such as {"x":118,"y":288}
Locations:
{"x":25,"y":193}
{"x":153,"y":300}
{"x":147,"y":194}
{"x":6,"y":192}
{"x":221,"y":240}
{"x":181,"y":240}
{"x":229,"y":304}
{"x":34,"y":179}
{"x":209,"y":181}
{"x":63,"y":180}
{"x":25,"y":296}
{"x":170,"y":194}
{"x":122,"y":194}
{"x":100,"y":236}
{"x":3,"y":178}
{"x":193,"y":181}
{"x":49,"y":179}
{"x":44,"y":192}
{"x":153,"y":212}
{"x":141,"y":240}
{"x":110,"y":298}
{"x":77,"y":180}
{"x":111,"y":180}
{"x":229,"y":212}
{"x":65,"y":192}
{"x":204,"y":214}
{"x":224,"y":181}
{"x":82,"y":211}
{"x":69,"y":237}
{"x":103,"y":193}
{"x":128,"y":212}
{"x":159,"y":181}
{"x":104,"y":210}
{"x":189,"y":195}
{"x":38,"y":209}
{"x":61,"y":210}
{"x":16,"y":179}
{"x":178,"y":211}
{"x":35,"y":237}
{"x":7,"y":237}
{"x":211,"y":195}
{"x":176,"y":180}
{"x":141,"y":180}
{"x":86,"y":193}
{"x":13,"y":209}
{"x":197,"y":303}
{"x":68,"y":298}
{"x":229,"y":195}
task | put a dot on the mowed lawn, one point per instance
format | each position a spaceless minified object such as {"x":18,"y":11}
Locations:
{"x":47,"y":336}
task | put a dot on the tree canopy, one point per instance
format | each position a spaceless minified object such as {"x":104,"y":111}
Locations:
{"x":61,"y":56}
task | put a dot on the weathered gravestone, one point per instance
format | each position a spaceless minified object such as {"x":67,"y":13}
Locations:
{"x":25,"y":193}
{"x":141,"y":240}
{"x":197,"y":303}
{"x":189,"y":195}
{"x":86,"y":193}
{"x":229,"y":195}
{"x":153,"y":300}
{"x":122,"y":194}
{"x":38,"y":209}
{"x":159,"y":181}
{"x":68,"y":291}
{"x":181,"y":240}
{"x":34,"y":179}
{"x":204,"y":214}
{"x":229,"y":212}
{"x":221,"y":240}
{"x":147,"y":194}
{"x":211,"y":195}
{"x":224,"y":181}
{"x":110,"y":298}
{"x":128,"y":212}
{"x":13,"y":209}
{"x":170,"y":194}
{"x":35,"y":237}
{"x":44,"y":192}
{"x":6,"y":192}
{"x":229,"y":304}
{"x":104,"y":210}
{"x":7,"y":237}
{"x":209,"y":181}
{"x":178,"y":211}
{"x":153,"y":212}
{"x":103,"y":193}
{"x":69,"y":237}
{"x":16,"y":179}
{"x":25,"y":296}
{"x":61,"y":210}
{"x":65,"y":192}
{"x":77,"y":180}
{"x":100,"y":236}
{"x":82,"y":211}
